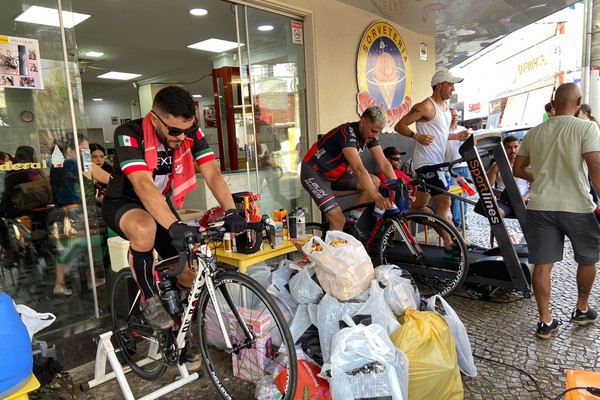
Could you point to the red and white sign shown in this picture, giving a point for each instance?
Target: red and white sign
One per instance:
(297, 32)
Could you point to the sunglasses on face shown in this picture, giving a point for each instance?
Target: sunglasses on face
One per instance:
(394, 158)
(177, 131)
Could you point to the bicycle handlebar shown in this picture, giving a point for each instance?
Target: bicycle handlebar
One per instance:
(434, 167)
(214, 231)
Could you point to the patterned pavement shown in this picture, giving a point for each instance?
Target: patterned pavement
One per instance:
(511, 362)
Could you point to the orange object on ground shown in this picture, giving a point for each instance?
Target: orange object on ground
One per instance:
(581, 378)
(309, 383)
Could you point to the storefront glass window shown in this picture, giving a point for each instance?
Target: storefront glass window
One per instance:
(46, 220)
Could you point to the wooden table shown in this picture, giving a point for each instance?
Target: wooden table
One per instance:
(243, 261)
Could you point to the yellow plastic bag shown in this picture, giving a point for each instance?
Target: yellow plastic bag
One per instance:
(432, 364)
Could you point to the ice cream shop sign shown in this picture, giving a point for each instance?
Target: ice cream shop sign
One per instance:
(383, 72)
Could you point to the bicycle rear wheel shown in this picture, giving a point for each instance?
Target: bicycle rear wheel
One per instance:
(133, 335)
(436, 270)
(317, 229)
(235, 371)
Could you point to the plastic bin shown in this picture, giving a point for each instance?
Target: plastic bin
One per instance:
(118, 249)
(16, 363)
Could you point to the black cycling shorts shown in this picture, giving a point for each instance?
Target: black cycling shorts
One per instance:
(113, 210)
(321, 188)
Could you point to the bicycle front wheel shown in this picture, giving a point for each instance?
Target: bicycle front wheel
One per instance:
(268, 355)
(134, 337)
(441, 263)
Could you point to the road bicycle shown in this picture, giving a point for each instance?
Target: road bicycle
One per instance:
(423, 243)
(242, 334)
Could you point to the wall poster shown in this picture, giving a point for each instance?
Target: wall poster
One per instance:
(20, 64)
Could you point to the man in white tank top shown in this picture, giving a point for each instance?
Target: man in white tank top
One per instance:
(432, 117)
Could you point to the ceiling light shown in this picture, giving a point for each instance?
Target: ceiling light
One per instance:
(198, 11)
(97, 99)
(122, 76)
(196, 95)
(94, 54)
(265, 28)
(49, 16)
(214, 45)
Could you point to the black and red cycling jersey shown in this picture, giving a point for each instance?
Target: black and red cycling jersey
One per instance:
(326, 157)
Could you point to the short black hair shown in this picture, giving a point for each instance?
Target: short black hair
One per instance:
(548, 107)
(510, 139)
(176, 101)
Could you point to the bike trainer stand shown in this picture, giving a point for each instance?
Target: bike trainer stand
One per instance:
(107, 351)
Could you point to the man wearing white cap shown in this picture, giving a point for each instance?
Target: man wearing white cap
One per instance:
(433, 118)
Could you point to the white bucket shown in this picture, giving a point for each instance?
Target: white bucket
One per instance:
(118, 249)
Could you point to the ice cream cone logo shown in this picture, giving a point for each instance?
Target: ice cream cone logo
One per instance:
(383, 72)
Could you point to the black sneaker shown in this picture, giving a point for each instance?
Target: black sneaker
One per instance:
(191, 351)
(584, 318)
(544, 331)
(352, 229)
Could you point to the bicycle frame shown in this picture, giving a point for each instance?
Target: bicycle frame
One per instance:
(203, 281)
(402, 229)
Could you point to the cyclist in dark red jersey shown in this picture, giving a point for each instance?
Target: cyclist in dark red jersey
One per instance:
(333, 164)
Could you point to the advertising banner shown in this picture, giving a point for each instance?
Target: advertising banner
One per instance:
(20, 65)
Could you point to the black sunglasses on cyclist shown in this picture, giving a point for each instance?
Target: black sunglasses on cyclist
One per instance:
(395, 158)
(177, 131)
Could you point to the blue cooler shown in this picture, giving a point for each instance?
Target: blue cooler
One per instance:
(16, 362)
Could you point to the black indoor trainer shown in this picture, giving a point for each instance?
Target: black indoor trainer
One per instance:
(544, 331)
(584, 318)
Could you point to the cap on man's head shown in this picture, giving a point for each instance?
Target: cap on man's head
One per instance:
(392, 151)
(445, 76)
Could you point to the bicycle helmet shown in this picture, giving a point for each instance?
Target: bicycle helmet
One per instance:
(215, 214)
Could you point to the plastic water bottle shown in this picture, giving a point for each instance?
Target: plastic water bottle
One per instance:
(464, 185)
(293, 224)
(447, 176)
(300, 223)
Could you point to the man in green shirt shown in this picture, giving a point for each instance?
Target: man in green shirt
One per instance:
(555, 157)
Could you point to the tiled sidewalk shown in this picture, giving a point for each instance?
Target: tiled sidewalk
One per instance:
(511, 362)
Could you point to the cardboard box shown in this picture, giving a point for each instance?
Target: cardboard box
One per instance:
(258, 321)
(191, 217)
(250, 364)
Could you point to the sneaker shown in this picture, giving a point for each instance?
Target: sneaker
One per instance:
(352, 229)
(155, 314)
(544, 331)
(584, 318)
(61, 289)
(191, 352)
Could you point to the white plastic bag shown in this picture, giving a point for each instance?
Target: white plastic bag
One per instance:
(33, 320)
(464, 353)
(399, 292)
(303, 288)
(345, 270)
(331, 311)
(384, 368)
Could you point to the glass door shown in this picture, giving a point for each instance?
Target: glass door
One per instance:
(274, 108)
